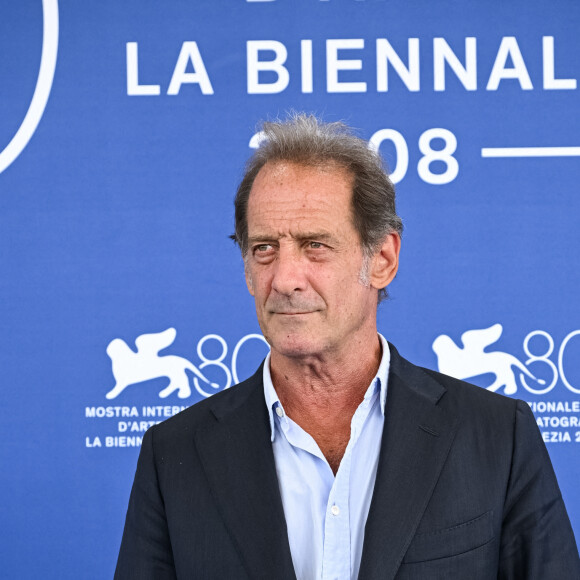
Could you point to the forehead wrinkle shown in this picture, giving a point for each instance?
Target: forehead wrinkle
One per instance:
(292, 217)
(285, 202)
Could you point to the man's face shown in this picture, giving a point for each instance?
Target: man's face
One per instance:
(304, 264)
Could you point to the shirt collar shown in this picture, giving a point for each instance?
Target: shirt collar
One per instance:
(379, 382)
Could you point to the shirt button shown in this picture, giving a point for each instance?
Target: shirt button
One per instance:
(279, 412)
(334, 510)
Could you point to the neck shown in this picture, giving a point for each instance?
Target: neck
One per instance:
(321, 393)
(319, 380)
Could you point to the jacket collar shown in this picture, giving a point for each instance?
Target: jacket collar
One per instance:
(236, 454)
(417, 437)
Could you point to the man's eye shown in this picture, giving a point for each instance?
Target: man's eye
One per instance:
(315, 245)
(263, 248)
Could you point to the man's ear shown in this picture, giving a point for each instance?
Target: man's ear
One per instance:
(249, 282)
(385, 262)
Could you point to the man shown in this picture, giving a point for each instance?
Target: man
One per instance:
(339, 459)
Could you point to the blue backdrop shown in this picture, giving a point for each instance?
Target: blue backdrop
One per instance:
(124, 128)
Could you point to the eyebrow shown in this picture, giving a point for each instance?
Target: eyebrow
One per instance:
(322, 236)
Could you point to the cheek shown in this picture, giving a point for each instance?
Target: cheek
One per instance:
(249, 280)
(336, 286)
(259, 283)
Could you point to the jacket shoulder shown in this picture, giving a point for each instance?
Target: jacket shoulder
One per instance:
(460, 391)
(207, 411)
(469, 392)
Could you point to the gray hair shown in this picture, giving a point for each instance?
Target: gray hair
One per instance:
(305, 140)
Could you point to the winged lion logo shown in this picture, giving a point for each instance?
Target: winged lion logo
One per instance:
(130, 367)
(472, 360)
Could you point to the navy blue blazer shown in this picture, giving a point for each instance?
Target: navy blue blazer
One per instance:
(464, 490)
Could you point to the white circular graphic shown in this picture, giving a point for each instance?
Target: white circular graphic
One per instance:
(42, 89)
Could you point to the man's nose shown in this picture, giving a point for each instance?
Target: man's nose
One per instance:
(289, 273)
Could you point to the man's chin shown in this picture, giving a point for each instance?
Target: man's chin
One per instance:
(296, 346)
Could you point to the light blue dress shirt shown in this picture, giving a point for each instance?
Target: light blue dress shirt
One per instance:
(326, 515)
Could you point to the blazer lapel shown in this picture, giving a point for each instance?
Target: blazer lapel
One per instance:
(417, 436)
(236, 453)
